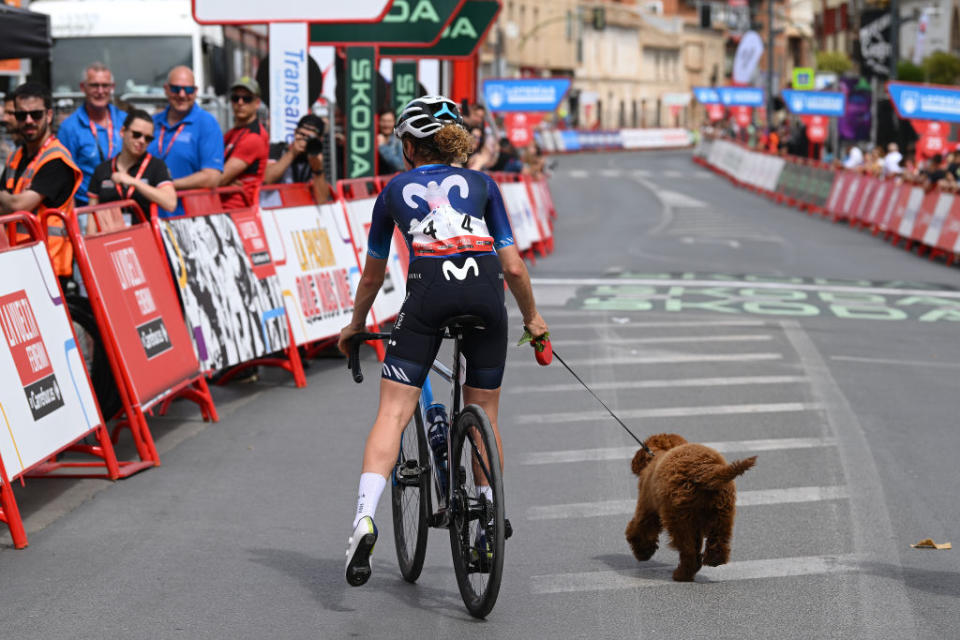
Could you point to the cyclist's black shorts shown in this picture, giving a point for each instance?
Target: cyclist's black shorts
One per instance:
(437, 290)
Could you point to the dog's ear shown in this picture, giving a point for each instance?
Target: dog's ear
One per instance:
(640, 460)
(665, 441)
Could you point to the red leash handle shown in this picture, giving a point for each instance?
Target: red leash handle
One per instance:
(542, 349)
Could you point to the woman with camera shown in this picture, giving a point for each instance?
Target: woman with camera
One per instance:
(302, 160)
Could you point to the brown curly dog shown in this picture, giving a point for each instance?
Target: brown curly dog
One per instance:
(687, 489)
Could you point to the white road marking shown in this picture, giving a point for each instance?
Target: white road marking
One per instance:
(669, 412)
(611, 173)
(743, 284)
(885, 599)
(681, 358)
(659, 324)
(672, 173)
(668, 340)
(791, 495)
(640, 577)
(578, 173)
(911, 363)
(626, 453)
(730, 381)
(676, 199)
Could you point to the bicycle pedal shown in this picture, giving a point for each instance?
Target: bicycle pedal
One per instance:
(507, 529)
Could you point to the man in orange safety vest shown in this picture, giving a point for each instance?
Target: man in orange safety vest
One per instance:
(40, 174)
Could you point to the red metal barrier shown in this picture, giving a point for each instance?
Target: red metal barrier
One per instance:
(36, 362)
(134, 301)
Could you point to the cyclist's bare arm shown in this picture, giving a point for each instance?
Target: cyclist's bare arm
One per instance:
(515, 272)
(371, 280)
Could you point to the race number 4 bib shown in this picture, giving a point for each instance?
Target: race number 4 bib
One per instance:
(445, 231)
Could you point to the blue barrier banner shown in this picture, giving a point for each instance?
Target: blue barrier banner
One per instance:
(525, 94)
(730, 96)
(815, 103)
(922, 102)
(571, 141)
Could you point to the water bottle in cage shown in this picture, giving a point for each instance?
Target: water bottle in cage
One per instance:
(437, 419)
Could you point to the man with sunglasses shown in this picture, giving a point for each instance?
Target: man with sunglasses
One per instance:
(40, 175)
(246, 146)
(188, 139)
(92, 132)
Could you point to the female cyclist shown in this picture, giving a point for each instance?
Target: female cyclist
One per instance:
(461, 250)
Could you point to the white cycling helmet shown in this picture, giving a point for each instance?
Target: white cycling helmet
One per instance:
(423, 117)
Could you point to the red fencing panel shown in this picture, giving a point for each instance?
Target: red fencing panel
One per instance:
(139, 320)
(948, 240)
(938, 221)
(838, 192)
(47, 403)
(875, 210)
(889, 217)
(861, 203)
(925, 214)
(907, 212)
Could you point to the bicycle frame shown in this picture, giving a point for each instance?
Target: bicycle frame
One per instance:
(440, 517)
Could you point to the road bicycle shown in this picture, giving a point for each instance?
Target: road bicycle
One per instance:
(436, 481)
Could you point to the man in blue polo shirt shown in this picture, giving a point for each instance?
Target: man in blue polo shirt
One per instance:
(187, 138)
(92, 133)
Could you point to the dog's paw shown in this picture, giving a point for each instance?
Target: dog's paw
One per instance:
(715, 557)
(682, 575)
(644, 552)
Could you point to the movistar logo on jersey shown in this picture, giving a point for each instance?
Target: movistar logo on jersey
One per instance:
(470, 267)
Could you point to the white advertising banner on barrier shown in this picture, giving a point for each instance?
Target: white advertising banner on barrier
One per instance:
(316, 266)
(517, 201)
(654, 138)
(390, 299)
(45, 397)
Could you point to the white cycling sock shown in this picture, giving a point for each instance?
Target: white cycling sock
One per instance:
(371, 486)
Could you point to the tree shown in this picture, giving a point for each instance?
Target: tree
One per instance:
(836, 61)
(909, 72)
(941, 67)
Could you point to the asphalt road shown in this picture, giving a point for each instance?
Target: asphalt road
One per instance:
(692, 307)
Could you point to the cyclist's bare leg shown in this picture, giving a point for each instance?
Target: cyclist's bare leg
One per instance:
(489, 401)
(397, 404)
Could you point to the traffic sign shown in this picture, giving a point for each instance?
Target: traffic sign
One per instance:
(413, 23)
(820, 103)
(804, 79)
(459, 40)
(525, 94)
(259, 12)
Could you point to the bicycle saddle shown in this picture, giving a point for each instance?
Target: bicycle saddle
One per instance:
(462, 322)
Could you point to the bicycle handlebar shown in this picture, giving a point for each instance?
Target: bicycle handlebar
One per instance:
(353, 359)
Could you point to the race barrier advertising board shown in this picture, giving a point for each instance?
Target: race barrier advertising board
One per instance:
(315, 265)
(230, 292)
(569, 141)
(926, 219)
(139, 320)
(46, 400)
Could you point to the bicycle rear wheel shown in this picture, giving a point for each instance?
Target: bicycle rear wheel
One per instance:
(476, 525)
(410, 493)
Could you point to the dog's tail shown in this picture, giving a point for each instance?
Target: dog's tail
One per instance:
(720, 475)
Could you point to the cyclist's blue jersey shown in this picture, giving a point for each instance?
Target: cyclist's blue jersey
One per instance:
(443, 212)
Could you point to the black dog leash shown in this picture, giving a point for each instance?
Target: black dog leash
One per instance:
(574, 374)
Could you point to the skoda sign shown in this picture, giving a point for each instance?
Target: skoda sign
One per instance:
(815, 103)
(361, 96)
(525, 94)
(925, 102)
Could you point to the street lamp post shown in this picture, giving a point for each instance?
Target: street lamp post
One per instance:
(770, 46)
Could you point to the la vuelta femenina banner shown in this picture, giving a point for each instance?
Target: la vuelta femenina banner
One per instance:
(313, 258)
